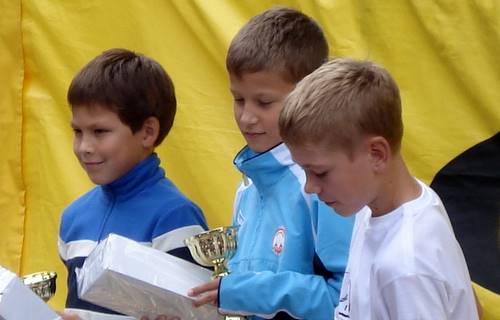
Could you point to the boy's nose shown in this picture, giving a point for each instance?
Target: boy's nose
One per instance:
(247, 116)
(311, 187)
(85, 146)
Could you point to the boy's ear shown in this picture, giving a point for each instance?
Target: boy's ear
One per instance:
(379, 152)
(150, 129)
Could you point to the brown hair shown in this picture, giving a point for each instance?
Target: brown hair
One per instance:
(132, 85)
(340, 102)
(281, 39)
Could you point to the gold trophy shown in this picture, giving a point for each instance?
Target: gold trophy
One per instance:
(42, 283)
(213, 248)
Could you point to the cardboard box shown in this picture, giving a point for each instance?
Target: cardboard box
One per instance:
(17, 301)
(132, 279)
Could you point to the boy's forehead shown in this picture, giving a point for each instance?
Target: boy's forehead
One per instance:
(261, 82)
(273, 72)
(95, 113)
(93, 107)
(309, 154)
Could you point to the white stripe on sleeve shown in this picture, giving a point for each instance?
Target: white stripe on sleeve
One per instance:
(175, 238)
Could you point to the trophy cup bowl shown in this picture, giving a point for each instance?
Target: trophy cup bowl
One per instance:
(42, 283)
(213, 248)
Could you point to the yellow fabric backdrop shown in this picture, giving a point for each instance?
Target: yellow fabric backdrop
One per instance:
(442, 53)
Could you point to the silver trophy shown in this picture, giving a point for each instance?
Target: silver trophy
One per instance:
(213, 248)
(42, 283)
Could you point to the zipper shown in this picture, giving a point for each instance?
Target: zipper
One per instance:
(106, 218)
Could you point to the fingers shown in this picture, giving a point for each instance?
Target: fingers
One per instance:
(69, 316)
(209, 286)
(206, 293)
(206, 297)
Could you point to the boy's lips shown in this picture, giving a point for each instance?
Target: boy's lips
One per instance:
(92, 164)
(253, 134)
(330, 203)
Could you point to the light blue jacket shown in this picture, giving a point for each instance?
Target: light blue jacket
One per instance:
(292, 249)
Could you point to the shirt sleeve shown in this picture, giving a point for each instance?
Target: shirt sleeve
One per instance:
(412, 297)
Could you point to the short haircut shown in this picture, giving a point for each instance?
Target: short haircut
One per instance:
(132, 85)
(278, 39)
(341, 102)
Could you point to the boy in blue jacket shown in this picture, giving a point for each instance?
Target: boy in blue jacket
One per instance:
(123, 105)
(285, 266)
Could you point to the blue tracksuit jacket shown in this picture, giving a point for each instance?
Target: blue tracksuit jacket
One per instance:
(142, 205)
(292, 249)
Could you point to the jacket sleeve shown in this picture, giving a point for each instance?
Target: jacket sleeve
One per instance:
(176, 224)
(266, 293)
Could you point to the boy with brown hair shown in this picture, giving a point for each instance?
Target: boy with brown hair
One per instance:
(285, 265)
(343, 125)
(123, 105)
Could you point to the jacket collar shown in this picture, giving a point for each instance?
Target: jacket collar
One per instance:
(139, 177)
(266, 168)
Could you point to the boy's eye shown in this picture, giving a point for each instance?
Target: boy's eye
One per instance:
(239, 101)
(77, 131)
(321, 174)
(100, 131)
(264, 103)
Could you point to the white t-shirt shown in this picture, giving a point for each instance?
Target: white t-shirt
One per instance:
(406, 264)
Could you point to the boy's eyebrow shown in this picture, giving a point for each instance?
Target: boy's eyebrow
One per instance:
(259, 95)
(314, 166)
(90, 126)
(310, 166)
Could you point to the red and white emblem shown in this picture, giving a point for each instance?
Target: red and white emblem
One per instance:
(279, 241)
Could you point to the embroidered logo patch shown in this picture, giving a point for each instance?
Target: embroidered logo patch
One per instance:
(279, 241)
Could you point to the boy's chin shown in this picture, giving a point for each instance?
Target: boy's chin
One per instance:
(343, 211)
(100, 180)
(261, 148)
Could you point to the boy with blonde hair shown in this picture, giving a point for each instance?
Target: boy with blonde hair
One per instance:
(343, 125)
(292, 250)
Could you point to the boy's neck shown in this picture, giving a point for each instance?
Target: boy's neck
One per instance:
(397, 187)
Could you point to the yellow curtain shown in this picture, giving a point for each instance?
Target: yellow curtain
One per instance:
(12, 190)
(442, 53)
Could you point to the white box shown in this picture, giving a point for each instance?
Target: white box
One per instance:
(17, 301)
(132, 279)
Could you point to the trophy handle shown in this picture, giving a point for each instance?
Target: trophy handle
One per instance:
(196, 251)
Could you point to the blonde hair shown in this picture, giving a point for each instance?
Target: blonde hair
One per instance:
(340, 102)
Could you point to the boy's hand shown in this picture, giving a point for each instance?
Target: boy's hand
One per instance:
(68, 316)
(206, 293)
